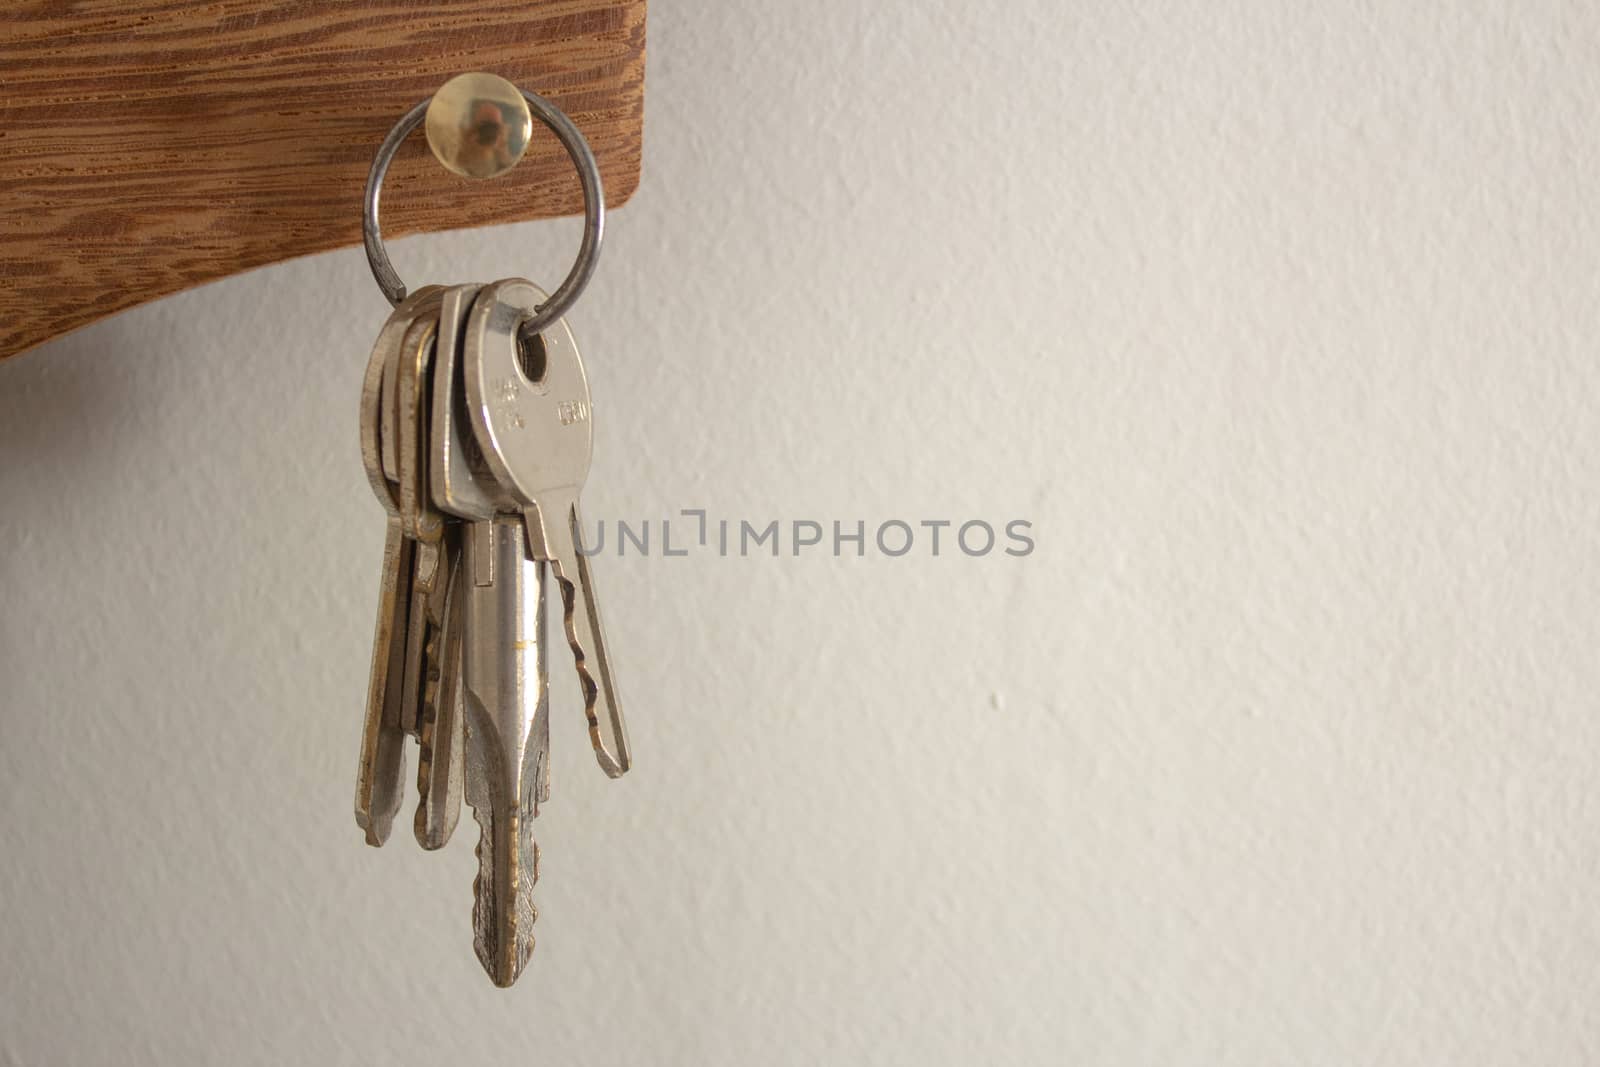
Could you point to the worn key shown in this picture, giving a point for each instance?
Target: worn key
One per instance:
(381, 771)
(428, 706)
(505, 708)
(505, 698)
(536, 436)
(424, 400)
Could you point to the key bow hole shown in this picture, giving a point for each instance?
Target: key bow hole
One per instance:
(531, 358)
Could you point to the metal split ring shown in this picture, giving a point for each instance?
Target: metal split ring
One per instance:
(594, 211)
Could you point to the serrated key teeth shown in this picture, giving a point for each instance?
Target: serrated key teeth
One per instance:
(503, 912)
(608, 734)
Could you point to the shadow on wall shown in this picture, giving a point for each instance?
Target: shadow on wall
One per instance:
(91, 428)
(64, 408)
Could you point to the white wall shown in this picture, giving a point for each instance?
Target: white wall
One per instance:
(1279, 322)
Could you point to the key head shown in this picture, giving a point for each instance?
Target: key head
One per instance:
(532, 422)
(382, 359)
(413, 386)
(461, 482)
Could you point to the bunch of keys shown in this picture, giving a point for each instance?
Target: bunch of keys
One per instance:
(476, 435)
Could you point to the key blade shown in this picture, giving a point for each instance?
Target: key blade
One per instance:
(440, 733)
(418, 633)
(504, 702)
(380, 775)
(503, 911)
(556, 519)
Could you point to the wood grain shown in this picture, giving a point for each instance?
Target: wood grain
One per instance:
(147, 146)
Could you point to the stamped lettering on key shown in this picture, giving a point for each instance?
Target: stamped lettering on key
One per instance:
(506, 392)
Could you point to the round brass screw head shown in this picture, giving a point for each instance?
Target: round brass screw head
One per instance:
(478, 125)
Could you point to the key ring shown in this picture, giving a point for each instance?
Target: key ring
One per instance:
(594, 211)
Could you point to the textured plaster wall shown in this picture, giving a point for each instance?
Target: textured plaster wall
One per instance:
(1278, 321)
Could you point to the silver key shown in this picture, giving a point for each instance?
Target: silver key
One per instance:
(505, 706)
(506, 709)
(440, 729)
(381, 771)
(537, 439)
(432, 654)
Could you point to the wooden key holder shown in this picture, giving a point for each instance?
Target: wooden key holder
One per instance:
(147, 146)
